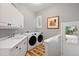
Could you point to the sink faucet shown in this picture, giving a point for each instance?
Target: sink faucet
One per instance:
(12, 35)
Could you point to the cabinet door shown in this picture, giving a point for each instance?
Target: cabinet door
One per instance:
(23, 47)
(6, 13)
(10, 15)
(18, 19)
(14, 51)
(20, 49)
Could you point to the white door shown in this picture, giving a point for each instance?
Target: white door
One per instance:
(70, 38)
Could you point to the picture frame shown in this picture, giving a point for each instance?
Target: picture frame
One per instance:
(53, 22)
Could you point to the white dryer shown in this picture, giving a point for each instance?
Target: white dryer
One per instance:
(39, 36)
(32, 41)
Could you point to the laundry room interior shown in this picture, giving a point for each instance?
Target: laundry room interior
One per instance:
(39, 29)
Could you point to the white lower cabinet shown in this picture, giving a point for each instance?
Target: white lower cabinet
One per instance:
(14, 51)
(20, 49)
(23, 48)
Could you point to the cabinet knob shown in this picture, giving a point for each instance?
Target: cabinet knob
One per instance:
(9, 24)
(19, 48)
(65, 38)
(16, 47)
(24, 43)
(21, 26)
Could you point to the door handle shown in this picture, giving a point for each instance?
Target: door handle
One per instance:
(65, 38)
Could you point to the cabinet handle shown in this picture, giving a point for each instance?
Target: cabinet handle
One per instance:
(16, 47)
(24, 43)
(21, 26)
(19, 48)
(65, 38)
(9, 24)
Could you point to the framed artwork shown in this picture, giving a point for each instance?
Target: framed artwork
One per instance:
(53, 22)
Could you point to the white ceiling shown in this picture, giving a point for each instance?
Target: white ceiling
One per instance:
(35, 7)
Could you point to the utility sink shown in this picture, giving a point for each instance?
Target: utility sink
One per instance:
(17, 36)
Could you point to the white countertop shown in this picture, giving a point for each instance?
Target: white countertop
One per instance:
(54, 38)
(11, 42)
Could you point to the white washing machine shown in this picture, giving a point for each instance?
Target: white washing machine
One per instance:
(39, 36)
(32, 41)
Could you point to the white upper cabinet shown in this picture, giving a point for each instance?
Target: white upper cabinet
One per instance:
(10, 17)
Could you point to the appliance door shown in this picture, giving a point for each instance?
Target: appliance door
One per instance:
(70, 40)
(32, 41)
(40, 38)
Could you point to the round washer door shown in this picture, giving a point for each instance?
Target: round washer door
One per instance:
(32, 41)
(40, 38)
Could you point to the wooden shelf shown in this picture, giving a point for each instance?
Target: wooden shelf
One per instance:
(37, 51)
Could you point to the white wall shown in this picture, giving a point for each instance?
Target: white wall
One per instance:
(66, 12)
